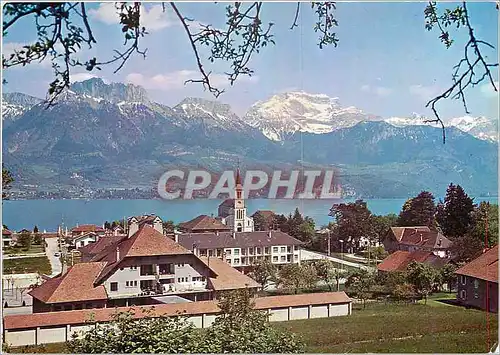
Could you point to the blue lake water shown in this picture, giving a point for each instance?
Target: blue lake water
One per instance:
(48, 214)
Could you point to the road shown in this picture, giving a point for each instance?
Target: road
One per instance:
(52, 248)
(312, 255)
(35, 255)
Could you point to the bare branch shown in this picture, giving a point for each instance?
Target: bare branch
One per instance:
(297, 11)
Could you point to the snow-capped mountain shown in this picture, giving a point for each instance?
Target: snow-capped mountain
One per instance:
(479, 127)
(284, 114)
(14, 105)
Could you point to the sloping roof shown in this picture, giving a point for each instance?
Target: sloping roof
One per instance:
(147, 241)
(228, 202)
(92, 249)
(240, 240)
(203, 223)
(399, 231)
(425, 239)
(6, 232)
(25, 321)
(145, 219)
(228, 278)
(484, 267)
(75, 285)
(82, 236)
(399, 260)
(87, 228)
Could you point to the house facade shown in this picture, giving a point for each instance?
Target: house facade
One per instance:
(134, 223)
(8, 238)
(477, 282)
(86, 228)
(136, 270)
(242, 250)
(418, 238)
(203, 224)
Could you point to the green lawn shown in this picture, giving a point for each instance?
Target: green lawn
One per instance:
(27, 265)
(35, 248)
(384, 328)
(398, 329)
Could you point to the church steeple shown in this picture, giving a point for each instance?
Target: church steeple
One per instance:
(239, 204)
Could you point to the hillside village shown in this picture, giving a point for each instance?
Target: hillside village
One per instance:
(291, 269)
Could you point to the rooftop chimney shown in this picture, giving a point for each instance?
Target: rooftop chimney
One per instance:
(195, 249)
(176, 237)
(234, 235)
(117, 253)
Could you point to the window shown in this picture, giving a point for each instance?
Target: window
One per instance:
(296, 257)
(243, 251)
(228, 251)
(228, 261)
(130, 283)
(114, 286)
(236, 252)
(210, 252)
(275, 259)
(219, 252)
(463, 294)
(258, 251)
(296, 247)
(133, 267)
(283, 258)
(463, 279)
(266, 250)
(289, 249)
(476, 284)
(275, 249)
(236, 261)
(180, 265)
(203, 252)
(283, 249)
(250, 251)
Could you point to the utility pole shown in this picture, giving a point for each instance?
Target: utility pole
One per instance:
(329, 243)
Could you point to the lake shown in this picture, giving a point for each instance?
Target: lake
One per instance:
(48, 214)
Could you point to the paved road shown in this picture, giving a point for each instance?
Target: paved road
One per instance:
(35, 255)
(312, 255)
(52, 248)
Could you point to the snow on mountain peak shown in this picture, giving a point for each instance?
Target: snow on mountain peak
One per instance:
(286, 113)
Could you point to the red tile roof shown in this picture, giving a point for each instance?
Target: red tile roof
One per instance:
(75, 285)
(25, 321)
(92, 249)
(484, 267)
(228, 278)
(6, 232)
(203, 223)
(399, 231)
(399, 260)
(265, 213)
(87, 228)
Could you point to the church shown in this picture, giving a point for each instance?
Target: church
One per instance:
(233, 213)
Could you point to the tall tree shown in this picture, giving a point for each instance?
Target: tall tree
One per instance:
(418, 211)
(7, 180)
(467, 248)
(485, 222)
(328, 273)
(297, 277)
(360, 283)
(381, 224)
(35, 229)
(455, 214)
(25, 239)
(353, 221)
(263, 271)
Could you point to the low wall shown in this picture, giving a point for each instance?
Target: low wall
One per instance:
(57, 327)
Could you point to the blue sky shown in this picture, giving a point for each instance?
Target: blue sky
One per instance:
(386, 63)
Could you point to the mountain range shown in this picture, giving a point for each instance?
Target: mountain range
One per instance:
(115, 136)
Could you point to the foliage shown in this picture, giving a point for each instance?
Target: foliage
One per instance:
(353, 221)
(239, 329)
(455, 214)
(25, 239)
(7, 180)
(448, 275)
(263, 271)
(360, 283)
(302, 228)
(27, 265)
(35, 229)
(418, 211)
(261, 223)
(466, 248)
(422, 277)
(168, 226)
(328, 273)
(296, 277)
(37, 239)
(381, 224)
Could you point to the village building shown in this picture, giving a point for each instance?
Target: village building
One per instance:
(203, 224)
(400, 259)
(242, 250)
(8, 238)
(86, 228)
(136, 222)
(477, 282)
(233, 213)
(419, 238)
(137, 270)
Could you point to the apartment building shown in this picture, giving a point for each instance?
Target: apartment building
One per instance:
(242, 249)
(136, 270)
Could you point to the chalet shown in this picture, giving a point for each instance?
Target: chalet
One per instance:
(203, 224)
(84, 239)
(242, 249)
(477, 284)
(86, 228)
(399, 260)
(8, 239)
(137, 270)
(418, 238)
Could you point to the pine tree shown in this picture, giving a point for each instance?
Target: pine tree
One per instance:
(418, 211)
(455, 215)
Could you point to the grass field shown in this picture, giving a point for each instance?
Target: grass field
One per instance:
(393, 328)
(27, 265)
(380, 328)
(35, 248)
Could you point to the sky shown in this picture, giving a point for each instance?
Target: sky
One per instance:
(386, 62)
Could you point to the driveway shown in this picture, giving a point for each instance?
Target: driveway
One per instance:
(52, 248)
(312, 255)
